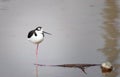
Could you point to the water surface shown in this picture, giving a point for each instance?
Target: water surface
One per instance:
(77, 28)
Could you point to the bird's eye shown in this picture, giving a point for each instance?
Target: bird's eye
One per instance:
(39, 28)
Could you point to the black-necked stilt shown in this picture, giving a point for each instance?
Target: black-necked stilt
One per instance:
(36, 36)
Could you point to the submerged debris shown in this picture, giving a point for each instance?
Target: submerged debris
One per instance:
(106, 67)
(80, 66)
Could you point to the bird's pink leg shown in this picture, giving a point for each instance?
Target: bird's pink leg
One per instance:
(37, 60)
(37, 54)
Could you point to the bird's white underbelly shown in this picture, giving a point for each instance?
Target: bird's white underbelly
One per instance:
(36, 39)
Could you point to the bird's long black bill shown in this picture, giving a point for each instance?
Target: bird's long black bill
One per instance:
(47, 33)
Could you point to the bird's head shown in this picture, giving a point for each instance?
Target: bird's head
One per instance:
(40, 30)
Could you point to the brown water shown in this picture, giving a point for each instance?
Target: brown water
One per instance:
(112, 34)
(77, 31)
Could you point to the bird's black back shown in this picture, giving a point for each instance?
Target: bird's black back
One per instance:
(31, 33)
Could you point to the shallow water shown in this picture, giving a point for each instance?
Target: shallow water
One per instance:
(82, 32)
